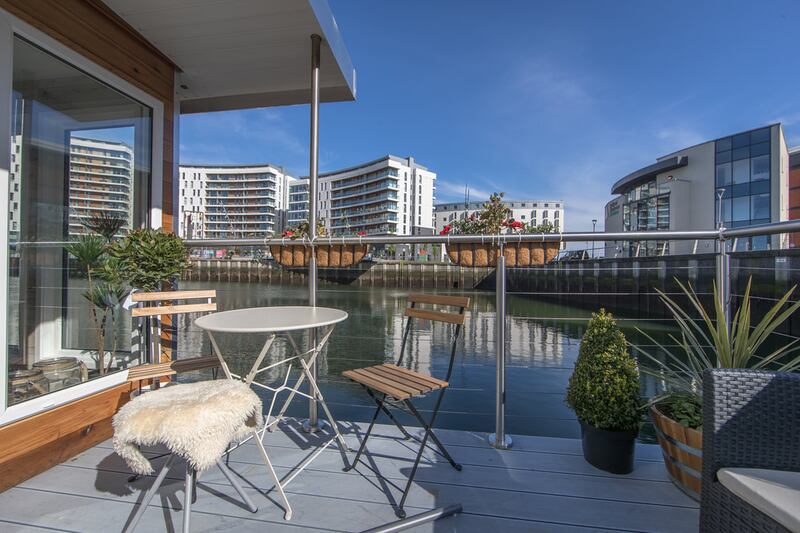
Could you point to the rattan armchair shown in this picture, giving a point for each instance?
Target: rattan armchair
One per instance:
(751, 419)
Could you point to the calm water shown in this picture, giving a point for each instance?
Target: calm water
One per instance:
(543, 342)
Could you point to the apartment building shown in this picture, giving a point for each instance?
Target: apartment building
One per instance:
(101, 175)
(232, 202)
(739, 180)
(534, 212)
(297, 206)
(388, 196)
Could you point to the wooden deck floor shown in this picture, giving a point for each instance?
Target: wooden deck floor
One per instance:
(541, 484)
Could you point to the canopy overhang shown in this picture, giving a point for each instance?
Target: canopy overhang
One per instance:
(238, 54)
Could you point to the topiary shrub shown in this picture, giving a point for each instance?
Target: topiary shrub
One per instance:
(150, 258)
(604, 387)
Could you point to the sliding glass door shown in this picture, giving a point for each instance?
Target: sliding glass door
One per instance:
(80, 164)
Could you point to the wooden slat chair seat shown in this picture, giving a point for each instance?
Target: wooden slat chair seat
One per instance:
(393, 385)
(395, 382)
(166, 303)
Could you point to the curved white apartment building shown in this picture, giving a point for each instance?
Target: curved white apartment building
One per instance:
(231, 202)
(387, 196)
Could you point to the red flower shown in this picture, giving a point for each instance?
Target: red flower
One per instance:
(516, 224)
(446, 229)
(361, 233)
(288, 233)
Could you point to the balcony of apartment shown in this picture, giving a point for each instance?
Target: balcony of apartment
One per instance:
(381, 185)
(366, 178)
(522, 331)
(215, 198)
(343, 213)
(363, 222)
(228, 179)
(367, 200)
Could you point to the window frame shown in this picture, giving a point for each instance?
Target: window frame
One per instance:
(11, 26)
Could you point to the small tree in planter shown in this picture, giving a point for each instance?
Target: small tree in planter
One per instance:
(150, 259)
(604, 393)
(105, 286)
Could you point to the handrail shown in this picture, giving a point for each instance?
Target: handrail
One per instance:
(773, 228)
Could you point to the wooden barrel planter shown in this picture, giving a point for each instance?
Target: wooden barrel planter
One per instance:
(682, 450)
(336, 255)
(518, 254)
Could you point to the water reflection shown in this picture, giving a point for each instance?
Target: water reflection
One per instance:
(543, 341)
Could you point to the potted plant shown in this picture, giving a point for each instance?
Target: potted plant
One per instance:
(604, 393)
(299, 254)
(106, 288)
(150, 259)
(704, 344)
(494, 220)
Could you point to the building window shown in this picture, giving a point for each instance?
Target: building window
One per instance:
(51, 317)
(743, 170)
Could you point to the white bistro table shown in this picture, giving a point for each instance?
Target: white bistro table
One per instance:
(274, 322)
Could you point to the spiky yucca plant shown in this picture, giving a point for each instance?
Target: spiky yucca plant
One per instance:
(712, 343)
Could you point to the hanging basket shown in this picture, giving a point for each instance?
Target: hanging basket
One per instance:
(335, 255)
(518, 254)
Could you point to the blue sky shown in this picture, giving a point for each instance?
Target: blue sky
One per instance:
(540, 100)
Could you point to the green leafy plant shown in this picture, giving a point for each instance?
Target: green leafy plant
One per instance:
(684, 408)
(604, 387)
(713, 343)
(149, 258)
(105, 285)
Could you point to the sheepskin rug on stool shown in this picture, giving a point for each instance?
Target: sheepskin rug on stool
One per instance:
(195, 420)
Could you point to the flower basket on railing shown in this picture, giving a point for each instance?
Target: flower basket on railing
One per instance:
(334, 255)
(298, 254)
(492, 221)
(518, 254)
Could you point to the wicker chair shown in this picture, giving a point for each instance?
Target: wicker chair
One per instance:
(751, 419)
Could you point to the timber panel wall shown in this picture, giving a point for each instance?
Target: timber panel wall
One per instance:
(89, 27)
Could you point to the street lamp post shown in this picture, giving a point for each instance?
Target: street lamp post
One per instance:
(594, 225)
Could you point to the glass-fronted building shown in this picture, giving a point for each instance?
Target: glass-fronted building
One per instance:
(738, 180)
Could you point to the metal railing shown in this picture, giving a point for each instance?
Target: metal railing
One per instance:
(499, 439)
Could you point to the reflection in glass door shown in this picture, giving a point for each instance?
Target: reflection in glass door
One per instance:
(80, 149)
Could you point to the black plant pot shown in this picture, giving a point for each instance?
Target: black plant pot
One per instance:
(611, 451)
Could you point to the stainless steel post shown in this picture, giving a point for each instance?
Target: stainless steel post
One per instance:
(724, 279)
(312, 424)
(499, 439)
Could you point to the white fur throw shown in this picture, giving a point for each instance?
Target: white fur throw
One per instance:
(195, 420)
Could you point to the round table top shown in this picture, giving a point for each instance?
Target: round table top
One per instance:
(270, 319)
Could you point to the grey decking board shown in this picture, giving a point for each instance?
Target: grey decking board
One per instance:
(524, 496)
(645, 492)
(509, 504)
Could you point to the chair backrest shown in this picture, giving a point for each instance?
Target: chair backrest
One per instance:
(163, 303)
(160, 304)
(413, 311)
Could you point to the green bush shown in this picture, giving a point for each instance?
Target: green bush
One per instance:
(149, 258)
(604, 387)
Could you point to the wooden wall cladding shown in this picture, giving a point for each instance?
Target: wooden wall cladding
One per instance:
(92, 29)
(36, 443)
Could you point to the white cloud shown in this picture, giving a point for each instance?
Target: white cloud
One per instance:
(677, 138)
(547, 84)
(449, 191)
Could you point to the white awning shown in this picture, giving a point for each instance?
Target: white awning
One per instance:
(237, 54)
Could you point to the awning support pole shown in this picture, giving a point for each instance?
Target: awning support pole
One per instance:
(312, 424)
